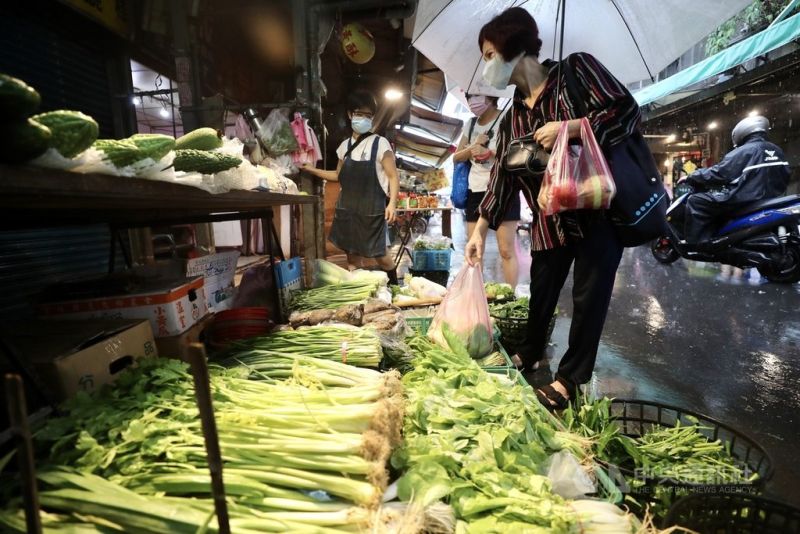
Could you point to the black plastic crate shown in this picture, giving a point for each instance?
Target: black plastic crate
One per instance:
(734, 514)
(513, 331)
(439, 277)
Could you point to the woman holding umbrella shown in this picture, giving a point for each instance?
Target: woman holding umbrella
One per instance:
(510, 45)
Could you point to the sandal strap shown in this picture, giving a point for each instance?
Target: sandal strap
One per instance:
(552, 394)
(570, 386)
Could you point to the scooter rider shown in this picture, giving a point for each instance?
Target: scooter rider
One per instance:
(754, 170)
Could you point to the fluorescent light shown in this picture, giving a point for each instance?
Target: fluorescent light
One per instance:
(753, 113)
(393, 94)
(712, 125)
(163, 112)
(136, 100)
(671, 138)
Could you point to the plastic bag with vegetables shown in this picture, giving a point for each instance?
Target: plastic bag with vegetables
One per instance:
(276, 133)
(461, 323)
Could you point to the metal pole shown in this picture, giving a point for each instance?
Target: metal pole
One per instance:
(18, 419)
(202, 390)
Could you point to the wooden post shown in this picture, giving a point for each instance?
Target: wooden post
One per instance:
(313, 222)
(202, 391)
(18, 419)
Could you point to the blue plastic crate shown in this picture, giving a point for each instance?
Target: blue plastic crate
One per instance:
(289, 273)
(431, 260)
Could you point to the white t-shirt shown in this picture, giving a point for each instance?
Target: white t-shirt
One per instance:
(363, 152)
(479, 172)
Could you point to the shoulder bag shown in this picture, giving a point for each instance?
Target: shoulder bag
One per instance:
(638, 210)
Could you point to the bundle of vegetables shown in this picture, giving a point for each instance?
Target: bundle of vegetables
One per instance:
(482, 445)
(682, 454)
(515, 309)
(296, 452)
(499, 291)
(327, 273)
(426, 242)
(417, 288)
(355, 346)
(332, 296)
(374, 313)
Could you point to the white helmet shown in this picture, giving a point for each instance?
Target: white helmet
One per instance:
(748, 126)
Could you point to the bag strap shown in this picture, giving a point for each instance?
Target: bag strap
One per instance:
(472, 122)
(351, 146)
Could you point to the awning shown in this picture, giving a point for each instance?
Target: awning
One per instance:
(756, 45)
(426, 140)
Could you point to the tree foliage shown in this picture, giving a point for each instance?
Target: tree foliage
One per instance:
(751, 19)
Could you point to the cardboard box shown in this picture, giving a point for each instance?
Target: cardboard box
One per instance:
(175, 346)
(218, 271)
(172, 307)
(72, 356)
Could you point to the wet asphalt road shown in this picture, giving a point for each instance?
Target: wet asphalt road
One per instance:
(696, 336)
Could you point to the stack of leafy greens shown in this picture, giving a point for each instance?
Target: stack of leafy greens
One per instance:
(347, 344)
(307, 454)
(499, 291)
(680, 455)
(482, 445)
(333, 296)
(515, 309)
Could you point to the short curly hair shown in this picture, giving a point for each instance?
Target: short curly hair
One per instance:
(512, 32)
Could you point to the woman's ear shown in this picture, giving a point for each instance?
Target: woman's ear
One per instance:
(350, 115)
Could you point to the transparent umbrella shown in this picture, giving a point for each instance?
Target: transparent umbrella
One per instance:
(635, 39)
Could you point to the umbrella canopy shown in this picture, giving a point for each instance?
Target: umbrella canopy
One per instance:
(635, 39)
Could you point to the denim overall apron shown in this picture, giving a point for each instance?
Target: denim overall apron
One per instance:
(359, 224)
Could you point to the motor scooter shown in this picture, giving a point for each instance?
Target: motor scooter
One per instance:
(764, 235)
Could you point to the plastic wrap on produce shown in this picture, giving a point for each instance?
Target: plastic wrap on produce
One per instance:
(52, 159)
(567, 477)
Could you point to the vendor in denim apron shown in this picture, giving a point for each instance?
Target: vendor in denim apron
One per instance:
(368, 178)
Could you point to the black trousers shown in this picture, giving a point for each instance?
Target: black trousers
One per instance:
(596, 258)
(703, 210)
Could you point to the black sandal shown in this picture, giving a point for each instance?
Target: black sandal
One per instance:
(551, 399)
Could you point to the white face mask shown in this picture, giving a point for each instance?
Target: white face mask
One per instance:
(497, 72)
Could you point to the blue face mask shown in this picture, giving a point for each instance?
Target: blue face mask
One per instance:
(361, 125)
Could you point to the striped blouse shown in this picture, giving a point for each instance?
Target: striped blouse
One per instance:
(613, 114)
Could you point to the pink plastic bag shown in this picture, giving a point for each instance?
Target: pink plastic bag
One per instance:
(577, 176)
(461, 324)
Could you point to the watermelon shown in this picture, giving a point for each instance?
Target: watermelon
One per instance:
(18, 100)
(23, 141)
(73, 132)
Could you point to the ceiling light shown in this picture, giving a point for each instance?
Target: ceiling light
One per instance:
(163, 112)
(671, 138)
(136, 100)
(393, 94)
(712, 125)
(753, 113)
